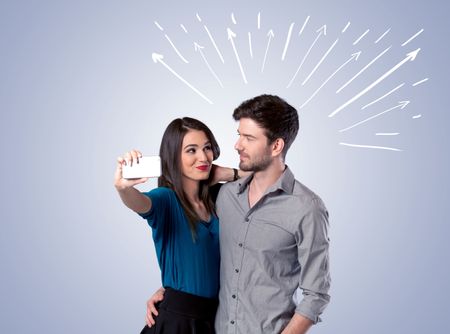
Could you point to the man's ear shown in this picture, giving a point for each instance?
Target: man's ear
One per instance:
(277, 147)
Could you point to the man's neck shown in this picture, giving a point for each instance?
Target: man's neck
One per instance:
(262, 180)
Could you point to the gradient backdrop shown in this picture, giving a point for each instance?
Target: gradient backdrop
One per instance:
(79, 88)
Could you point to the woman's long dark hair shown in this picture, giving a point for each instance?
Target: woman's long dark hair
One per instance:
(171, 175)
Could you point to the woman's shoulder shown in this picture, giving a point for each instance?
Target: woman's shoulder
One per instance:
(163, 193)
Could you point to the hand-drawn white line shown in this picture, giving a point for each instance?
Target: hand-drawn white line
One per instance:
(320, 62)
(259, 20)
(382, 97)
(409, 57)
(232, 35)
(304, 25)
(419, 82)
(159, 27)
(198, 17)
(158, 58)
(371, 146)
(409, 40)
(182, 27)
(288, 38)
(360, 37)
(362, 70)
(321, 31)
(270, 35)
(417, 116)
(233, 19)
(250, 44)
(385, 33)
(214, 43)
(354, 56)
(401, 105)
(199, 48)
(176, 50)
(387, 134)
(345, 29)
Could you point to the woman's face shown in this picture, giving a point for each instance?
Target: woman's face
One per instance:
(196, 156)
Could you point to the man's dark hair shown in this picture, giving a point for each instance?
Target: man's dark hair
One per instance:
(277, 117)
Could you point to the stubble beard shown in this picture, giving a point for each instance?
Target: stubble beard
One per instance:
(259, 164)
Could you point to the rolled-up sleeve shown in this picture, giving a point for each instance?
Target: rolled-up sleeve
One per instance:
(313, 245)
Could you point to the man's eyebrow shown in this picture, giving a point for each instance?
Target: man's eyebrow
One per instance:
(245, 134)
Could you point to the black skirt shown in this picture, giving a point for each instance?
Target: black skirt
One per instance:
(184, 313)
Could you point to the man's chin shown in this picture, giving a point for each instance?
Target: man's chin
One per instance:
(245, 167)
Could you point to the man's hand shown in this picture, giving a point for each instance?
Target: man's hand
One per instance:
(298, 325)
(151, 308)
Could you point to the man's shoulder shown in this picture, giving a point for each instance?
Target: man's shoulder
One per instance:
(228, 188)
(306, 196)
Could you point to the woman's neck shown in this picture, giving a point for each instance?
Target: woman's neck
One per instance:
(191, 188)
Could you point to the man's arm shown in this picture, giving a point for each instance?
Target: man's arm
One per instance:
(151, 306)
(298, 325)
(313, 244)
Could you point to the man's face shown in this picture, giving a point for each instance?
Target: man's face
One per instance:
(254, 151)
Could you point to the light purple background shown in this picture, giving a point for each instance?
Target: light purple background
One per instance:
(79, 87)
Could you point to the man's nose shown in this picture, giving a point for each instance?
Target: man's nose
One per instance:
(237, 145)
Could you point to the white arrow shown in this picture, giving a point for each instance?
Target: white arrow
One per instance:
(270, 35)
(232, 35)
(214, 43)
(157, 58)
(362, 70)
(304, 25)
(199, 48)
(288, 39)
(176, 50)
(250, 44)
(401, 105)
(320, 62)
(371, 146)
(321, 31)
(409, 57)
(354, 56)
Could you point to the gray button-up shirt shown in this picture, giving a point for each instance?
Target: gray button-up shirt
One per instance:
(267, 252)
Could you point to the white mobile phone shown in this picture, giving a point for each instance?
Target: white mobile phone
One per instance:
(147, 167)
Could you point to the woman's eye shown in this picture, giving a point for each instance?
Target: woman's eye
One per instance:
(208, 148)
(191, 150)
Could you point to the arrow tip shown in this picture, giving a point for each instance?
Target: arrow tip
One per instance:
(230, 33)
(356, 55)
(157, 57)
(403, 104)
(323, 29)
(412, 55)
(197, 46)
(270, 33)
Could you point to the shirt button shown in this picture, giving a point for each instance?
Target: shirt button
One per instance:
(232, 322)
(247, 219)
(236, 270)
(240, 244)
(233, 296)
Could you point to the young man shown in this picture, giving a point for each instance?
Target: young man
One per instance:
(273, 231)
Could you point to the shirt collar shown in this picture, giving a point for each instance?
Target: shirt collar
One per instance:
(285, 182)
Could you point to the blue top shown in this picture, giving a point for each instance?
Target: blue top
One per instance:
(188, 266)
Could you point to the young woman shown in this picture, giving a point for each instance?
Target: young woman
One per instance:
(184, 226)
